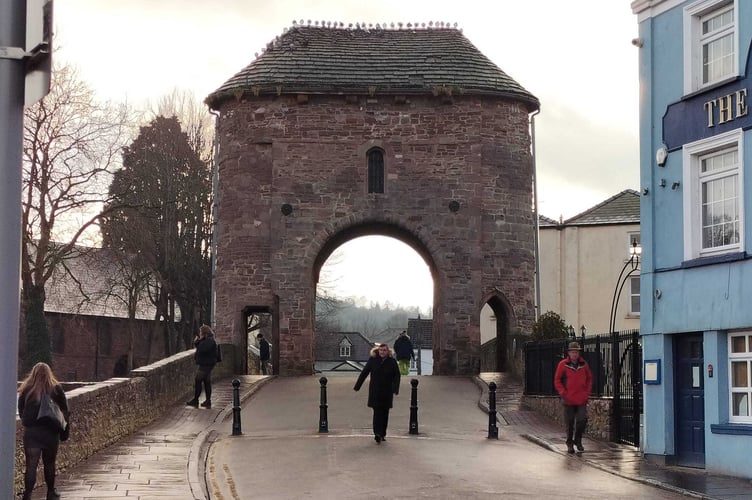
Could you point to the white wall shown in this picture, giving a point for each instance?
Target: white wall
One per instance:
(579, 270)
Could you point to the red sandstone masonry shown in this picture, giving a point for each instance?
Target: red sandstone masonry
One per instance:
(475, 151)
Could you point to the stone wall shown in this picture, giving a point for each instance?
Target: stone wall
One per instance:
(107, 411)
(599, 413)
(292, 187)
(515, 356)
(92, 348)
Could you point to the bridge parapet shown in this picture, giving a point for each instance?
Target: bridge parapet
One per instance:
(105, 412)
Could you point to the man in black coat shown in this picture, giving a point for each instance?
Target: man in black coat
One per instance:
(384, 384)
(403, 350)
(264, 353)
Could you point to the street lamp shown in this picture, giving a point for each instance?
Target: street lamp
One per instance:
(570, 330)
(630, 268)
(583, 330)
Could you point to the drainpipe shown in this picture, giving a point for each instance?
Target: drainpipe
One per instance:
(215, 204)
(535, 217)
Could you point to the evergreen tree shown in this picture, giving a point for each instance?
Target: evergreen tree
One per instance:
(161, 211)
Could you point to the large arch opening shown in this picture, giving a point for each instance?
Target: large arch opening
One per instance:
(373, 282)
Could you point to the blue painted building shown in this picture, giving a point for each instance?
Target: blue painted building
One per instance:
(696, 219)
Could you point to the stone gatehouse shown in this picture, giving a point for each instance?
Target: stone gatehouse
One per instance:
(336, 133)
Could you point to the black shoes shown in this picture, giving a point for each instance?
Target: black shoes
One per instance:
(579, 447)
(192, 402)
(377, 438)
(206, 404)
(53, 494)
(570, 448)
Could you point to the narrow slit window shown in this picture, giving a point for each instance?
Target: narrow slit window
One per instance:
(375, 171)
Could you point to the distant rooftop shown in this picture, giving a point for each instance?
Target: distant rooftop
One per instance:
(372, 60)
(622, 208)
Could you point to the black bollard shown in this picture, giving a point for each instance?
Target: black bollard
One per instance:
(236, 408)
(414, 407)
(493, 429)
(323, 424)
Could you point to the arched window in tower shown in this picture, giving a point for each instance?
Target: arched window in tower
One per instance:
(375, 158)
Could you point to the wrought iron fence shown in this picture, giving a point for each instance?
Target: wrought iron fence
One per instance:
(616, 362)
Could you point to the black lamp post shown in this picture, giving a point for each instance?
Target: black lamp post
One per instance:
(630, 267)
(583, 330)
(570, 330)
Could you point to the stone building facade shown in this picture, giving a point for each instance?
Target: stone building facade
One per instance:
(333, 134)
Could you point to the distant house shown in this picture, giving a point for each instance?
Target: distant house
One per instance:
(87, 321)
(581, 260)
(341, 352)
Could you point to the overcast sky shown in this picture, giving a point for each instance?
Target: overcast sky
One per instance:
(575, 56)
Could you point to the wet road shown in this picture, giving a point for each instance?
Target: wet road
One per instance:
(281, 455)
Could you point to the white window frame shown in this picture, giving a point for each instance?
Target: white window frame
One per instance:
(345, 348)
(737, 357)
(632, 294)
(631, 237)
(691, 154)
(693, 17)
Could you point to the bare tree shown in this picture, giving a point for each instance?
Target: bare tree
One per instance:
(71, 146)
(194, 117)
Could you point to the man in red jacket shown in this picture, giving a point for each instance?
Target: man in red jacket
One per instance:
(573, 382)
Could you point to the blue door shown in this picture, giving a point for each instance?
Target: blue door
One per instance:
(690, 401)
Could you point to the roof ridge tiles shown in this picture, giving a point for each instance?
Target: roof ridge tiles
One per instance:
(439, 56)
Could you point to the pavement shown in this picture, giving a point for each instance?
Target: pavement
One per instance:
(190, 453)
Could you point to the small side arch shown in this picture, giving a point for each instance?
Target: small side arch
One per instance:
(504, 319)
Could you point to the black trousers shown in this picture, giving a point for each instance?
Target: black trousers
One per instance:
(40, 442)
(380, 420)
(203, 379)
(576, 419)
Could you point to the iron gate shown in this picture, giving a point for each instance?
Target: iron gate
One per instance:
(616, 362)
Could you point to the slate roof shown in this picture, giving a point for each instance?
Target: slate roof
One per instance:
(622, 208)
(94, 291)
(387, 336)
(327, 346)
(544, 221)
(358, 61)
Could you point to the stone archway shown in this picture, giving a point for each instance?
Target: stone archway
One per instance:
(307, 163)
(503, 312)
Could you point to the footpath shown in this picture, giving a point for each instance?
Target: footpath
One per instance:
(171, 458)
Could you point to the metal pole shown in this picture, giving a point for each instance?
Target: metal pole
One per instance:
(12, 75)
(236, 430)
(414, 406)
(323, 424)
(493, 429)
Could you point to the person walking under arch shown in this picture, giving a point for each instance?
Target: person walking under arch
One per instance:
(383, 386)
(574, 382)
(41, 438)
(264, 354)
(404, 352)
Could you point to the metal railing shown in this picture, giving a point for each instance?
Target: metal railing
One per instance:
(616, 362)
